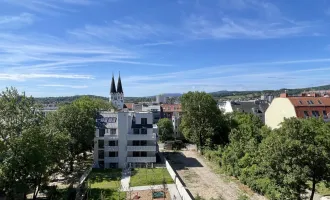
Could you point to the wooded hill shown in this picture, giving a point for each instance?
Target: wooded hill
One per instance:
(217, 95)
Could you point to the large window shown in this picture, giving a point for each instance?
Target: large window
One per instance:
(112, 131)
(101, 144)
(306, 114)
(143, 142)
(113, 154)
(315, 113)
(136, 154)
(101, 154)
(136, 143)
(101, 164)
(144, 121)
(143, 154)
(325, 115)
(143, 131)
(136, 131)
(101, 132)
(113, 143)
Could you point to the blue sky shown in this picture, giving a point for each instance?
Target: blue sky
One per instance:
(70, 47)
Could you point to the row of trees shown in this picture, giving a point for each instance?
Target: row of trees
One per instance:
(281, 164)
(34, 146)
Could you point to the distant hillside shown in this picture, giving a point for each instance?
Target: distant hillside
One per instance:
(223, 94)
(69, 99)
(294, 91)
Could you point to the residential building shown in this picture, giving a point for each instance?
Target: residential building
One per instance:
(161, 98)
(256, 107)
(116, 95)
(155, 109)
(176, 120)
(169, 109)
(303, 106)
(125, 139)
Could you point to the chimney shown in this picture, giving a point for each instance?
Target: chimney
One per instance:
(284, 95)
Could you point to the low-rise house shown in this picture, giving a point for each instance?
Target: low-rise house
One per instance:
(302, 106)
(256, 107)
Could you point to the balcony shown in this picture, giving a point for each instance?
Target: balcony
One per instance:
(110, 148)
(141, 148)
(141, 136)
(111, 159)
(141, 159)
(111, 137)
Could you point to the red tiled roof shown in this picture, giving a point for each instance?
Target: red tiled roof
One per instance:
(309, 104)
(129, 105)
(171, 107)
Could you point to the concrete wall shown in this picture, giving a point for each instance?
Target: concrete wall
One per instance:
(182, 190)
(279, 109)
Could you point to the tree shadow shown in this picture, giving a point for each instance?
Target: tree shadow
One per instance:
(111, 194)
(179, 161)
(100, 175)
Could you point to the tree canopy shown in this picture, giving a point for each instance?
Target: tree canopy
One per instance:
(165, 129)
(202, 122)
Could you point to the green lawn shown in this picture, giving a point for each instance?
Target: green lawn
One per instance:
(154, 176)
(105, 182)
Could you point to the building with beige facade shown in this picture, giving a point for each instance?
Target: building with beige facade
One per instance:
(303, 106)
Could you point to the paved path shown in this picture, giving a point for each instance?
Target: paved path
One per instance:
(125, 179)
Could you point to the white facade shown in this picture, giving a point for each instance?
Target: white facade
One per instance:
(226, 107)
(124, 139)
(117, 99)
(161, 98)
(176, 120)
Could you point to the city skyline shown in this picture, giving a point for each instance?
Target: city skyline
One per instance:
(72, 47)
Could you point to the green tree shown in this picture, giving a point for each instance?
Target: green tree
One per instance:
(79, 125)
(30, 151)
(202, 122)
(92, 105)
(299, 152)
(165, 129)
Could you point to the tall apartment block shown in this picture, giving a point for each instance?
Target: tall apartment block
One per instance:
(125, 139)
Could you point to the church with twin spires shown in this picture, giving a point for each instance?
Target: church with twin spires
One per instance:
(117, 95)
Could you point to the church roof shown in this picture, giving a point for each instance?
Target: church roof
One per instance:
(119, 86)
(113, 86)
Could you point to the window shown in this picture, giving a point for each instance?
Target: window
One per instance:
(319, 101)
(113, 154)
(112, 131)
(325, 115)
(315, 113)
(113, 143)
(136, 143)
(310, 102)
(136, 131)
(113, 165)
(300, 102)
(143, 143)
(101, 144)
(144, 121)
(136, 154)
(143, 154)
(143, 131)
(101, 154)
(101, 164)
(101, 132)
(306, 114)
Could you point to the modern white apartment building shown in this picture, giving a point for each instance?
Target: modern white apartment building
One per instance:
(125, 139)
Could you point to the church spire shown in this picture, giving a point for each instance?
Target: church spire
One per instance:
(113, 86)
(119, 86)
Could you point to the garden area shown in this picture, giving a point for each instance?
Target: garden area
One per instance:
(105, 184)
(152, 176)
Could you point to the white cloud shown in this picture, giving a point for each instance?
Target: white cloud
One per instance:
(64, 86)
(121, 30)
(23, 77)
(16, 21)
